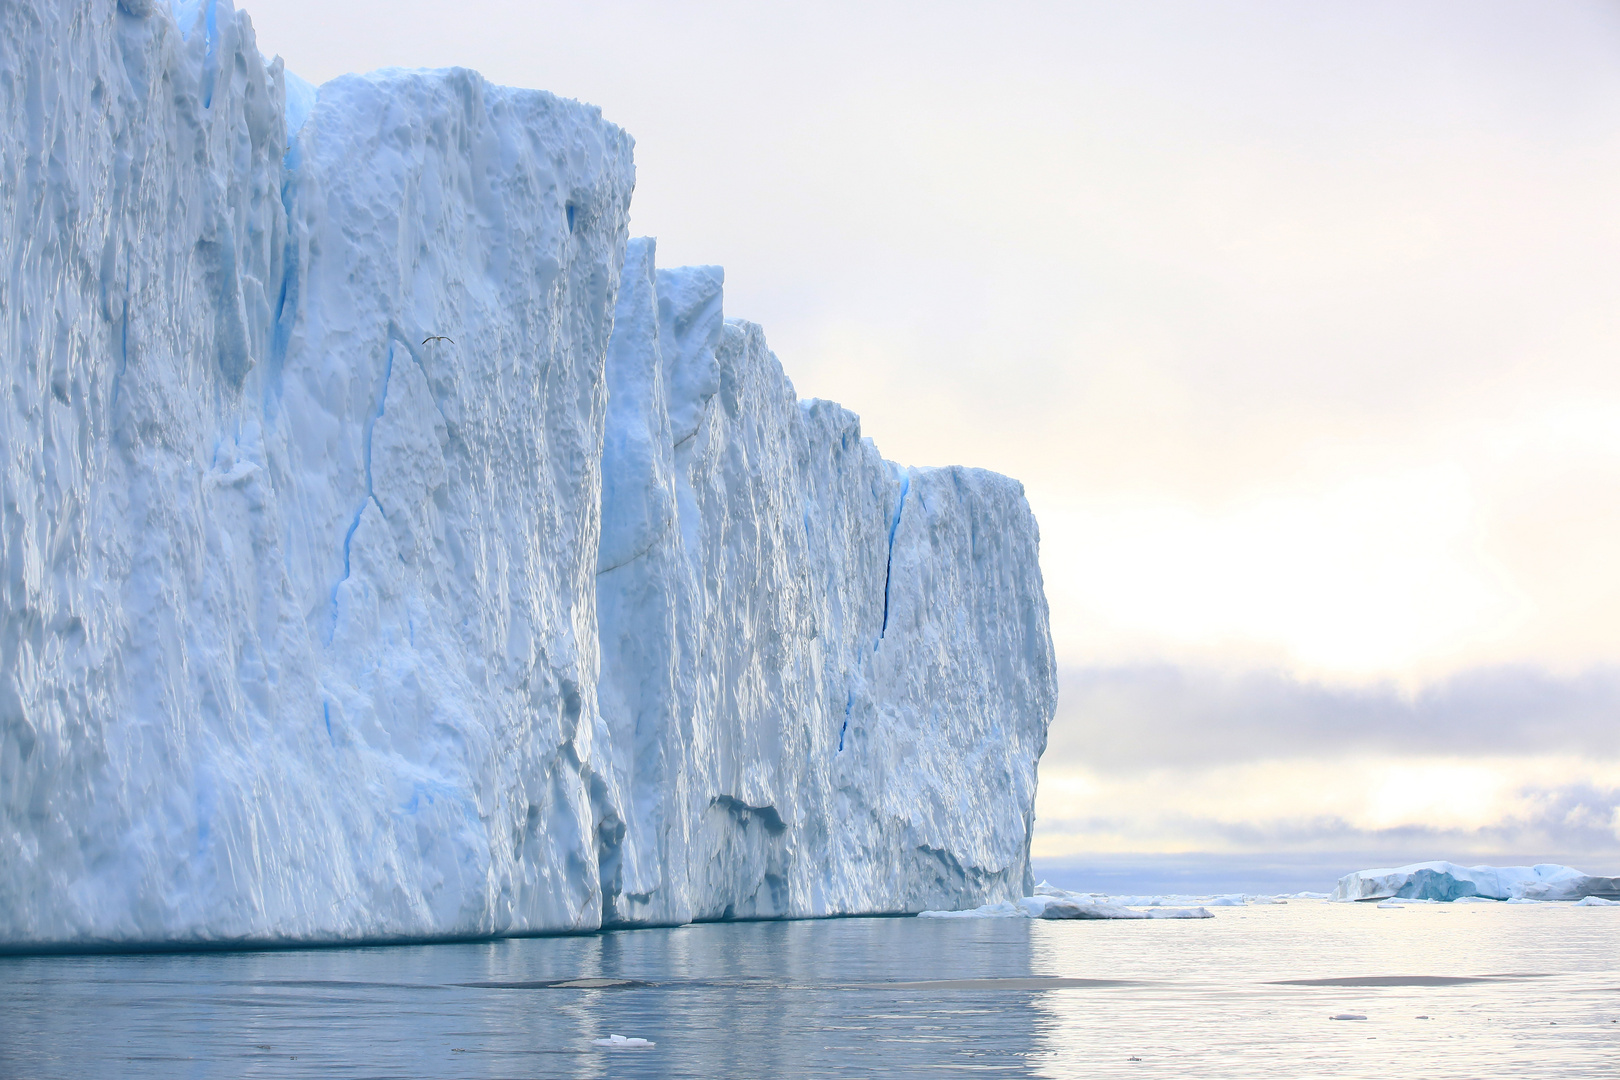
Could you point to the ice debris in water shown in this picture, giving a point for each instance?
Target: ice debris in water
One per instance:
(1445, 881)
(619, 1042)
(312, 632)
(1053, 903)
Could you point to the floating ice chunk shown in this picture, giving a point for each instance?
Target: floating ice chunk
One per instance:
(1390, 904)
(1177, 913)
(1347, 1016)
(1004, 910)
(1176, 899)
(620, 1042)
(1596, 901)
(1048, 906)
(1056, 908)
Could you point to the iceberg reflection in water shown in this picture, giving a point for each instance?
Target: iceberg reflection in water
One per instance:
(1252, 992)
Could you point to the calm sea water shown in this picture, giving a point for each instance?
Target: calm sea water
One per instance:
(864, 997)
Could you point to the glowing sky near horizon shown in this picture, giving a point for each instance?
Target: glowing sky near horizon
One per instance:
(1298, 322)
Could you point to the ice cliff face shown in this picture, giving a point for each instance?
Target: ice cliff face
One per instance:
(826, 679)
(312, 629)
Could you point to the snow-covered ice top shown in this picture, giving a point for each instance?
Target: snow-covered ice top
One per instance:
(1445, 881)
(389, 549)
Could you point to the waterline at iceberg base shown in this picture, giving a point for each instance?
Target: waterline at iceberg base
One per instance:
(390, 551)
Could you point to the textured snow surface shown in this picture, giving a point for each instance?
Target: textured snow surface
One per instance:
(1444, 881)
(314, 630)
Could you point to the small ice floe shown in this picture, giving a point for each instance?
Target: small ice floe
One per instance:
(1003, 910)
(1596, 901)
(1051, 903)
(620, 1042)
(1389, 904)
(1058, 908)
(1181, 900)
(1347, 1016)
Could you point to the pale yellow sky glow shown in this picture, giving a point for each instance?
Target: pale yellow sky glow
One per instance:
(1298, 322)
(1294, 803)
(1492, 549)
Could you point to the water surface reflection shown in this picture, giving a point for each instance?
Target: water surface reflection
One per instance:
(1446, 991)
(846, 997)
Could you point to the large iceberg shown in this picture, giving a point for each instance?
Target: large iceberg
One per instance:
(1445, 881)
(389, 550)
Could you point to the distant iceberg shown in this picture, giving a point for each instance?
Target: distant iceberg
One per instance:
(1444, 881)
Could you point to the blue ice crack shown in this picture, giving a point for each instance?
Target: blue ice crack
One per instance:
(210, 71)
(371, 494)
(888, 568)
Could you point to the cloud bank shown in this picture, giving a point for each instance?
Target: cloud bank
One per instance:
(1158, 715)
(1487, 765)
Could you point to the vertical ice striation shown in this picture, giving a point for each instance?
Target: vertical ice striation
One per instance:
(377, 562)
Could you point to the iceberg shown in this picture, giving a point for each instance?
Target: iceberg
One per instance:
(1445, 882)
(391, 551)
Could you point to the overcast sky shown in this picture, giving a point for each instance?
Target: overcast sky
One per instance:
(1298, 322)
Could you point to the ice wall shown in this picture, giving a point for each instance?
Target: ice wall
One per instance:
(355, 585)
(827, 678)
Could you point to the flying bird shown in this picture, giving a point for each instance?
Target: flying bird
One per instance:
(436, 337)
